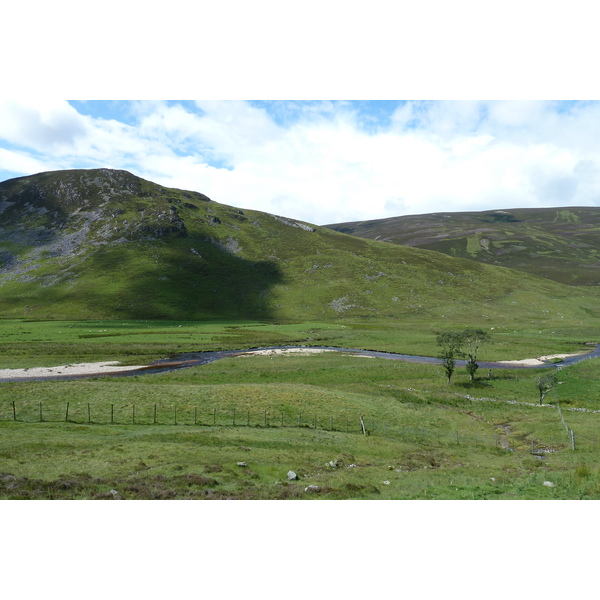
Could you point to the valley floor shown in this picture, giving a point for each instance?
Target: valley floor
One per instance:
(96, 369)
(235, 428)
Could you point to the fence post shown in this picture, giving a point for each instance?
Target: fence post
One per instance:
(67, 413)
(234, 416)
(133, 413)
(457, 437)
(265, 417)
(89, 417)
(248, 417)
(155, 414)
(214, 416)
(346, 423)
(41, 416)
(195, 414)
(362, 425)
(112, 414)
(330, 423)
(570, 432)
(14, 411)
(175, 414)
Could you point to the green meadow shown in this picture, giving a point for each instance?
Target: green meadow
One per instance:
(350, 427)
(48, 343)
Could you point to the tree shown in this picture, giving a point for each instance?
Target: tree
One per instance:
(471, 340)
(545, 383)
(450, 344)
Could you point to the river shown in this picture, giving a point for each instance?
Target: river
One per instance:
(195, 359)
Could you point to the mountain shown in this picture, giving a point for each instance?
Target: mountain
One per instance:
(562, 244)
(100, 243)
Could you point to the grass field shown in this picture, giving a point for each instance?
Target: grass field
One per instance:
(48, 343)
(183, 434)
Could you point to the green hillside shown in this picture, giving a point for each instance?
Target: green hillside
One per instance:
(91, 244)
(562, 244)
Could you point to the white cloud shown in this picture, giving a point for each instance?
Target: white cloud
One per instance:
(524, 114)
(43, 126)
(23, 164)
(326, 162)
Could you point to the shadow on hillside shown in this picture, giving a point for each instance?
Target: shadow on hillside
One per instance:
(184, 278)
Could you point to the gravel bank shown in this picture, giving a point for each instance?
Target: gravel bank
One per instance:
(97, 368)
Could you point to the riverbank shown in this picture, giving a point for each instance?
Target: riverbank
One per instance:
(541, 361)
(76, 369)
(112, 368)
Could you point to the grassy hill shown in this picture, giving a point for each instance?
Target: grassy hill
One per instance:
(561, 244)
(97, 244)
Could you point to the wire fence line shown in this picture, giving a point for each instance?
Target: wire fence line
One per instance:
(218, 416)
(570, 432)
(161, 414)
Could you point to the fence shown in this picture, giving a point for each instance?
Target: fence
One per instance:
(205, 416)
(570, 432)
(155, 414)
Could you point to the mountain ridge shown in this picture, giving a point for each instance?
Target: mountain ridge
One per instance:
(99, 243)
(560, 243)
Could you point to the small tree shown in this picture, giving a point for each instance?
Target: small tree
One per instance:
(450, 344)
(471, 340)
(545, 383)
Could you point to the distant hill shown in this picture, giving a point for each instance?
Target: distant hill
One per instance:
(562, 244)
(101, 243)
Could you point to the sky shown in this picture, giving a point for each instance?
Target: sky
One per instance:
(323, 161)
(325, 112)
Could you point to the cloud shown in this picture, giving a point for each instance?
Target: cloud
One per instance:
(394, 205)
(18, 163)
(327, 162)
(45, 127)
